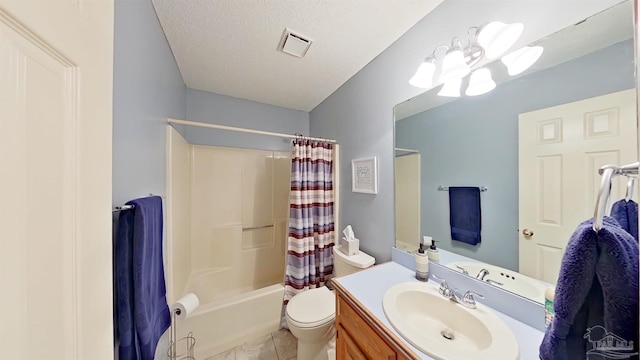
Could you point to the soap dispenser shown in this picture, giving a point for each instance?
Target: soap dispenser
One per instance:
(432, 251)
(422, 263)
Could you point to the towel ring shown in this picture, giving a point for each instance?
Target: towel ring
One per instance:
(603, 196)
(630, 185)
(608, 172)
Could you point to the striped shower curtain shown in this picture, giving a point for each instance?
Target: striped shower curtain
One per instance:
(311, 221)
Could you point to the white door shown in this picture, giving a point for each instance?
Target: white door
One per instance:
(55, 185)
(561, 149)
(407, 201)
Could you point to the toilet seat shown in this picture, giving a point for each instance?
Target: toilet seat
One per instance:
(312, 308)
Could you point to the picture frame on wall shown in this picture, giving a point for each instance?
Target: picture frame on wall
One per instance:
(364, 175)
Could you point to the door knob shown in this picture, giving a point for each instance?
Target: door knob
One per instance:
(527, 233)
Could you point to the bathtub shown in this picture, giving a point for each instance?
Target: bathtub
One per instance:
(227, 322)
(222, 283)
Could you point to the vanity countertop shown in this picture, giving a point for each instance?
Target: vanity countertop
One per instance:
(369, 286)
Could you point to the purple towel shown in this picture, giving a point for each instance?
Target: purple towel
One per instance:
(597, 289)
(142, 304)
(626, 214)
(464, 214)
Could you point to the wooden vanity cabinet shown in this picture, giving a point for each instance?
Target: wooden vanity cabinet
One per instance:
(347, 348)
(360, 336)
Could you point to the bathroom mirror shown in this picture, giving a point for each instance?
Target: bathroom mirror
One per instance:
(474, 141)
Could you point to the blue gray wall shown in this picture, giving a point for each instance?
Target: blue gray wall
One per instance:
(147, 88)
(229, 111)
(360, 113)
(473, 141)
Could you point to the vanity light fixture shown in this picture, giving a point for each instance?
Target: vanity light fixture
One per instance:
(489, 41)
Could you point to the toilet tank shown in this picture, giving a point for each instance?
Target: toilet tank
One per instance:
(345, 265)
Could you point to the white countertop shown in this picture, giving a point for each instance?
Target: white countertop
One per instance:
(369, 286)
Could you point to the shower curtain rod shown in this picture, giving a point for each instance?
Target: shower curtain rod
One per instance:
(407, 150)
(231, 128)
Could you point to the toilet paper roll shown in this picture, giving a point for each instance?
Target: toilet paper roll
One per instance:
(185, 306)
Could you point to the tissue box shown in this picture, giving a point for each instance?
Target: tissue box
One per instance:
(350, 247)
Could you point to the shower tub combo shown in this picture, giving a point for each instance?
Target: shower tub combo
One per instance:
(226, 219)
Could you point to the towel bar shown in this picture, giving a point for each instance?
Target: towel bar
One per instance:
(123, 207)
(446, 188)
(127, 207)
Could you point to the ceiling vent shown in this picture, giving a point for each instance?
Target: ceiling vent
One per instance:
(294, 44)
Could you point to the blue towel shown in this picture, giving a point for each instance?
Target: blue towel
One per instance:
(597, 289)
(626, 214)
(143, 313)
(114, 272)
(464, 214)
(124, 289)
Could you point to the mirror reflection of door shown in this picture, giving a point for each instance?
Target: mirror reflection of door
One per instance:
(561, 149)
(407, 175)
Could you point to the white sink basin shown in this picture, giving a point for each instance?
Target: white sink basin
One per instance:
(444, 329)
(511, 281)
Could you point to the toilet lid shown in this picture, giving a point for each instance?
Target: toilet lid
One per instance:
(313, 307)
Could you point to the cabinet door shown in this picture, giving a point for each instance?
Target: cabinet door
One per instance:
(347, 348)
(352, 327)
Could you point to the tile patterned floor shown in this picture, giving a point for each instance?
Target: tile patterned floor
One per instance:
(279, 345)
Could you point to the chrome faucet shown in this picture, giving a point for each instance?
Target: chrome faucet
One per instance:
(466, 300)
(482, 274)
(464, 271)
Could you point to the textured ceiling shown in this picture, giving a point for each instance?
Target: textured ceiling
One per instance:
(230, 47)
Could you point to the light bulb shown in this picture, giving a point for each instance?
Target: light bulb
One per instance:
(453, 65)
(451, 88)
(497, 37)
(522, 59)
(480, 82)
(423, 78)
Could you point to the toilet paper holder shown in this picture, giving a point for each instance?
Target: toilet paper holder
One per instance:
(179, 311)
(188, 342)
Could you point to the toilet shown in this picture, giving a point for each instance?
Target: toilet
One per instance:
(311, 314)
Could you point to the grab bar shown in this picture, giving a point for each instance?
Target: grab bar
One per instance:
(256, 227)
